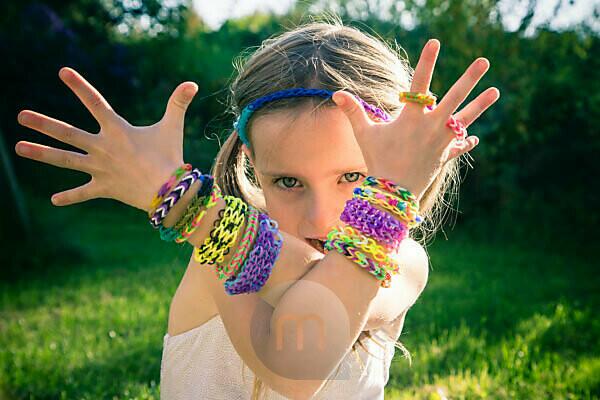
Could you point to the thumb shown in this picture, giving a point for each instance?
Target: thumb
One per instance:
(178, 103)
(354, 110)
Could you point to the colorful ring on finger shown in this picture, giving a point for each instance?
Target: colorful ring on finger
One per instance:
(416, 97)
(458, 127)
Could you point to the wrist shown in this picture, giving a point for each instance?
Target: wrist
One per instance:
(178, 210)
(405, 181)
(154, 183)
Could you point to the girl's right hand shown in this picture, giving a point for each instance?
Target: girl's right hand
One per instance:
(127, 163)
(412, 149)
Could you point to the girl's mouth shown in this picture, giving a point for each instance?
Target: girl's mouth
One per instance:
(317, 244)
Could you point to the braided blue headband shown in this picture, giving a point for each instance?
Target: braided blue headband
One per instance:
(240, 124)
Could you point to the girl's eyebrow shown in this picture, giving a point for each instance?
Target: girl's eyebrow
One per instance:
(336, 172)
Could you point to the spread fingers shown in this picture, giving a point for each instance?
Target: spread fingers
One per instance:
(57, 129)
(56, 157)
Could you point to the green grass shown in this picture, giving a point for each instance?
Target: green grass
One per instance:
(502, 321)
(500, 318)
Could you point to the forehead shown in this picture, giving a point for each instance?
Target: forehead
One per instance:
(304, 142)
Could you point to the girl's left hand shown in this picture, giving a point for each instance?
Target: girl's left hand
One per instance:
(412, 149)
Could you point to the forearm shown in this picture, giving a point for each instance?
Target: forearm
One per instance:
(279, 280)
(319, 318)
(249, 323)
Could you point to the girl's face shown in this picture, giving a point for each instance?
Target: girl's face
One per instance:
(307, 165)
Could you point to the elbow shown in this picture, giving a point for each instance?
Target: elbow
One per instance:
(422, 274)
(417, 266)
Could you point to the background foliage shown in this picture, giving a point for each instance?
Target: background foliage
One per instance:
(533, 190)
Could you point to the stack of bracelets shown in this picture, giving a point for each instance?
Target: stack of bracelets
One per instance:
(251, 265)
(368, 237)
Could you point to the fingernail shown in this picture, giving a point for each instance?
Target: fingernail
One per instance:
(190, 90)
(339, 99)
(63, 72)
(53, 199)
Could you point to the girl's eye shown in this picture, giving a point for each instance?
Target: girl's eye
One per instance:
(286, 180)
(357, 176)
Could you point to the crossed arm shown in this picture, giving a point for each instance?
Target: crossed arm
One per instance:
(295, 331)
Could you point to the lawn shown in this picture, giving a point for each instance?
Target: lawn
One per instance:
(500, 318)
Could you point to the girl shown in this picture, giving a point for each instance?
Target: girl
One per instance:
(324, 113)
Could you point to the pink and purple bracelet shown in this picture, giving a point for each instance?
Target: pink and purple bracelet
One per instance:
(370, 220)
(258, 266)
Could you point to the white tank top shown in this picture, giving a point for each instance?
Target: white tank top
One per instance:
(202, 364)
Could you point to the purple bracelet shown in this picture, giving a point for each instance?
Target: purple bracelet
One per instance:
(258, 265)
(371, 221)
(173, 197)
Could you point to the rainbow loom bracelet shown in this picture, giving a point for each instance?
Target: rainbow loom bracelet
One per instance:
(225, 231)
(392, 199)
(258, 266)
(232, 268)
(354, 254)
(381, 226)
(173, 197)
(393, 188)
(166, 187)
(367, 244)
(393, 204)
(200, 200)
(458, 127)
(211, 201)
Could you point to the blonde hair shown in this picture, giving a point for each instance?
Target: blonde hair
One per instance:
(324, 55)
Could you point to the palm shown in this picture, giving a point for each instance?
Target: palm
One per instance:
(122, 159)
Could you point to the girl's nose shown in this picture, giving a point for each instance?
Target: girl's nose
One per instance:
(321, 214)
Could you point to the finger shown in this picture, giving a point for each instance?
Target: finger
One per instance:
(57, 129)
(52, 156)
(178, 104)
(351, 107)
(424, 70)
(475, 108)
(89, 96)
(462, 147)
(461, 88)
(80, 194)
